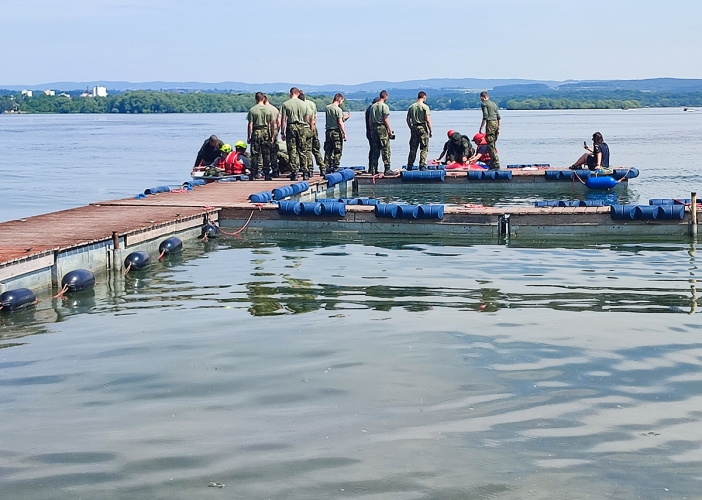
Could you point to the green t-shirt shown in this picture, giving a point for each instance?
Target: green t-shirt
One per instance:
(313, 110)
(490, 112)
(379, 112)
(418, 113)
(333, 114)
(260, 115)
(295, 110)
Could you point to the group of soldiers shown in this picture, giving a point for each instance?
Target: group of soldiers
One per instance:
(297, 124)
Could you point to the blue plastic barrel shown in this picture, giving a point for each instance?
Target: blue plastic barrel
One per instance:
(407, 211)
(347, 174)
(78, 280)
(197, 182)
(583, 174)
(299, 187)
(648, 212)
(19, 298)
(430, 212)
(334, 179)
(386, 210)
(310, 208)
(673, 212)
(282, 192)
(601, 182)
(565, 175)
(289, 208)
(503, 175)
(333, 209)
(262, 197)
(368, 201)
(159, 189)
(622, 212)
(551, 175)
(630, 173)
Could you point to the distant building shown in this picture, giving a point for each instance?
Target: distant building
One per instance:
(63, 94)
(28, 93)
(49, 92)
(99, 91)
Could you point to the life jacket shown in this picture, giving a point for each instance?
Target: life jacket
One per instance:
(233, 164)
(483, 150)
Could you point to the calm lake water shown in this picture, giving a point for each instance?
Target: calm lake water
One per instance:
(356, 368)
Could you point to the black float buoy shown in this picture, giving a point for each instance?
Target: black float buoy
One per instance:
(209, 231)
(170, 246)
(20, 298)
(137, 260)
(77, 281)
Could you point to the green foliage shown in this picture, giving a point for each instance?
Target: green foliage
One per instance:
(201, 102)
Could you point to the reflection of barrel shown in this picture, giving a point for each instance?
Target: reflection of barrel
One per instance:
(78, 280)
(262, 197)
(431, 212)
(407, 211)
(170, 246)
(386, 210)
(601, 182)
(12, 300)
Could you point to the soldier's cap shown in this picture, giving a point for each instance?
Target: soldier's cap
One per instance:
(456, 136)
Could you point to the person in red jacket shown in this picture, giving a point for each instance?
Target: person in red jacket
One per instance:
(236, 162)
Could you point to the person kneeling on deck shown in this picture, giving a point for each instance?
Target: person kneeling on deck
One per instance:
(235, 162)
(209, 152)
(482, 153)
(458, 148)
(597, 157)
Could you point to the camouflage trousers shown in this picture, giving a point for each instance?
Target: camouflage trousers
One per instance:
(492, 131)
(297, 140)
(313, 146)
(273, 154)
(333, 147)
(260, 152)
(419, 139)
(380, 145)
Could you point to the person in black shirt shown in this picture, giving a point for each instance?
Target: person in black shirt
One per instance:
(209, 152)
(596, 157)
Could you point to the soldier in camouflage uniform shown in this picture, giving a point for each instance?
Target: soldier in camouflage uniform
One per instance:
(419, 123)
(295, 125)
(259, 135)
(275, 169)
(381, 134)
(491, 122)
(313, 145)
(335, 134)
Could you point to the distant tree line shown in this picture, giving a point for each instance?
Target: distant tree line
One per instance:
(211, 102)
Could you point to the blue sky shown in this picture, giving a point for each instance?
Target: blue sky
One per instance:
(319, 42)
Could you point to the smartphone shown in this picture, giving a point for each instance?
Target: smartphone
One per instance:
(585, 143)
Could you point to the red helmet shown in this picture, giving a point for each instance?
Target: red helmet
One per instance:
(450, 133)
(479, 137)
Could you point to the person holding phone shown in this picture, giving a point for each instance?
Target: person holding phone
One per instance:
(596, 157)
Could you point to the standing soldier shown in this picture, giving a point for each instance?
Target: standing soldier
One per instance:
(381, 133)
(368, 131)
(335, 134)
(313, 145)
(275, 169)
(491, 121)
(419, 123)
(259, 135)
(295, 126)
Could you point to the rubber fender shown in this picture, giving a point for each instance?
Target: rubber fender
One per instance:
(282, 192)
(170, 246)
(78, 280)
(137, 260)
(209, 230)
(407, 211)
(299, 187)
(583, 174)
(431, 212)
(333, 209)
(19, 298)
(262, 197)
(551, 175)
(289, 208)
(310, 208)
(347, 174)
(333, 179)
(623, 212)
(503, 175)
(606, 182)
(386, 210)
(159, 189)
(565, 175)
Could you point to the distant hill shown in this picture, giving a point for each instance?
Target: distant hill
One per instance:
(649, 85)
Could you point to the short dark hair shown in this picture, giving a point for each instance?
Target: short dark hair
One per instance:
(383, 94)
(597, 138)
(421, 94)
(294, 90)
(259, 97)
(302, 96)
(338, 96)
(484, 94)
(213, 138)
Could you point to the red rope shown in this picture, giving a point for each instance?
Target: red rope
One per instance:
(60, 294)
(128, 268)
